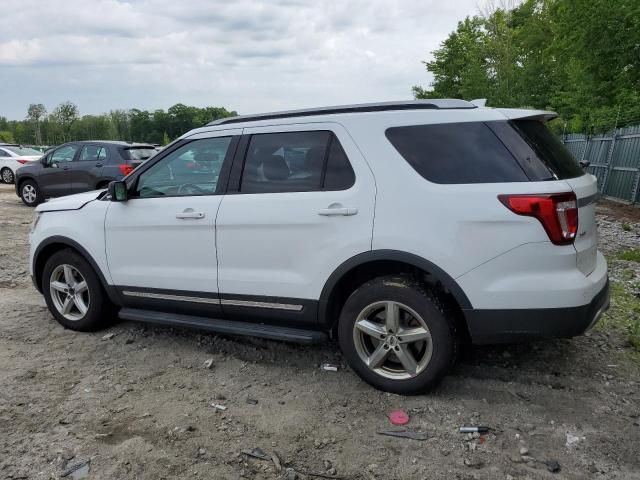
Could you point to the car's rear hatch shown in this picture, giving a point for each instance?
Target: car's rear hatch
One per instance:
(544, 158)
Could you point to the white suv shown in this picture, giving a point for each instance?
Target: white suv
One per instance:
(399, 228)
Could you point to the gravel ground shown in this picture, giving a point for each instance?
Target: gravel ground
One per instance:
(137, 403)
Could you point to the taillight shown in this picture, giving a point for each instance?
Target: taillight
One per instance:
(22, 162)
(557, 212)
(125, 169)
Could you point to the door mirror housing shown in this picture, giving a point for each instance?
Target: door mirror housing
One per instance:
(118, 191)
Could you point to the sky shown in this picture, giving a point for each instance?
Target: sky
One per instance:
(245, 55)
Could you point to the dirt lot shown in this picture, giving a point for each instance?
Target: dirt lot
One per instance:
(139, 405)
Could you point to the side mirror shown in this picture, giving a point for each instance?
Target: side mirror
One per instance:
(118, 191)
(584, 164)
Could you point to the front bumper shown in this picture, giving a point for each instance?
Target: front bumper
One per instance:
(519, 325)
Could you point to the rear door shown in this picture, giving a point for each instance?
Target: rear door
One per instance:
(87, 167)
(55, 178)
(302, 203)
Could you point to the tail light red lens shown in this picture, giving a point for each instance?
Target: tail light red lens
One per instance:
(125, 169)
(22, 162)
(557, 212)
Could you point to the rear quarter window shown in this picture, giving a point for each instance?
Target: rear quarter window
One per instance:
(455, 153)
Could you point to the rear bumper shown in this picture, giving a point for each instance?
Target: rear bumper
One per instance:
(518, 325)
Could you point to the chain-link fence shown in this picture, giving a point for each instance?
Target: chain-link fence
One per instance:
(614, 159)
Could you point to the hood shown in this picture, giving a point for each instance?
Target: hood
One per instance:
(71, 202)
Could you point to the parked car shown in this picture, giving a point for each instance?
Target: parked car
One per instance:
(12, 157)
(78, 167)
(402, 229)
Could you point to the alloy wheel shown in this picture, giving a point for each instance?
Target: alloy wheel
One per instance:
(7, 176)
(392, 340)
(29, 193)
(69, 292)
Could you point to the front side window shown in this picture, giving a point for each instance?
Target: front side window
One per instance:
(295, 162)
(192, 169)
(64, 154)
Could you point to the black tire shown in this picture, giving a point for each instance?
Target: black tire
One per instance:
(100, 310)
(7, 176)
(26, 198)
(404, 291)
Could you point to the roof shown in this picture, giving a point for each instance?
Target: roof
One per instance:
(117, 143)
(435, 104)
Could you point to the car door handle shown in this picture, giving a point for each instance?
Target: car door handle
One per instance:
(189, 214)
(338, 210)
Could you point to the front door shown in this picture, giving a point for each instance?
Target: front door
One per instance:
(303, 206)
(160, 243)
(54, 179)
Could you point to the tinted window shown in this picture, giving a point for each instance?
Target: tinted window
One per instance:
(3, 153)
(539, 151)
(64, 154)
(295, 162)
(339, 174)
(91, 153)
(456, 153)
(192, 169)
(138, 153)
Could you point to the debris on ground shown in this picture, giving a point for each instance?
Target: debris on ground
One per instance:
(257, 452)
(573, 439)
(217, 406)
(553, 466)
(472, 429)
(252, 401)
(77, 471)
(328, 367)
(108, 336)
(413, 435)
(398, 417)
(208, 364)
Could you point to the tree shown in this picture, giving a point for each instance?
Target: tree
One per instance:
(35, 113)
(66, 113)
(6, 136)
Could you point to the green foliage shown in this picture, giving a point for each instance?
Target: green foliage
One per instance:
(65, 124)
(624, 315)
(626, 227)
(630, 255)
(6, 136)
(580, 58)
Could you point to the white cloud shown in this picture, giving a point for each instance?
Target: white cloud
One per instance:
(245, 55)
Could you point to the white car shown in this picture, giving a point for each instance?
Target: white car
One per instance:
(399, 228)
(12, 157)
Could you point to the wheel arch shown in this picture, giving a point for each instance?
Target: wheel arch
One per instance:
(56, 243)
(365, 266)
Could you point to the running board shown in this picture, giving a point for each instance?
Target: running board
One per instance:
(272, 332)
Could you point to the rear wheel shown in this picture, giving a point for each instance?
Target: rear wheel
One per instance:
(30, 193)
(74, 293)
(397, 336)
(7, 175)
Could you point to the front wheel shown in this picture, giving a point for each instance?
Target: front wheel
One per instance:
(7, 175)
(396, 335)
(74, 293)
(30, 193)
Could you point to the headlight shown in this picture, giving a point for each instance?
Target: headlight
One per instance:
(36, 219)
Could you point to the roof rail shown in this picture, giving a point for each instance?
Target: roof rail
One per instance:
(435, 104)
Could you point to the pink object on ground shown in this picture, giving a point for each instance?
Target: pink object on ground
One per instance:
(399, 417)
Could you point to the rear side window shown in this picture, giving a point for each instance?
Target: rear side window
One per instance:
(92, 153)
(538, 151)
(295, 162)
(138, 153)
(454, 153)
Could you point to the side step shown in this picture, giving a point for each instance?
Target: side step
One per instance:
(272, 332)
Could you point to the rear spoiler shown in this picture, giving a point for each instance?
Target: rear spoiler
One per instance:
(521, 114)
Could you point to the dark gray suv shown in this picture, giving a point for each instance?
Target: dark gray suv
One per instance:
(78, 167)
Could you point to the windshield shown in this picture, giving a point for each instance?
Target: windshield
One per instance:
(139, 153)
(24, 151)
